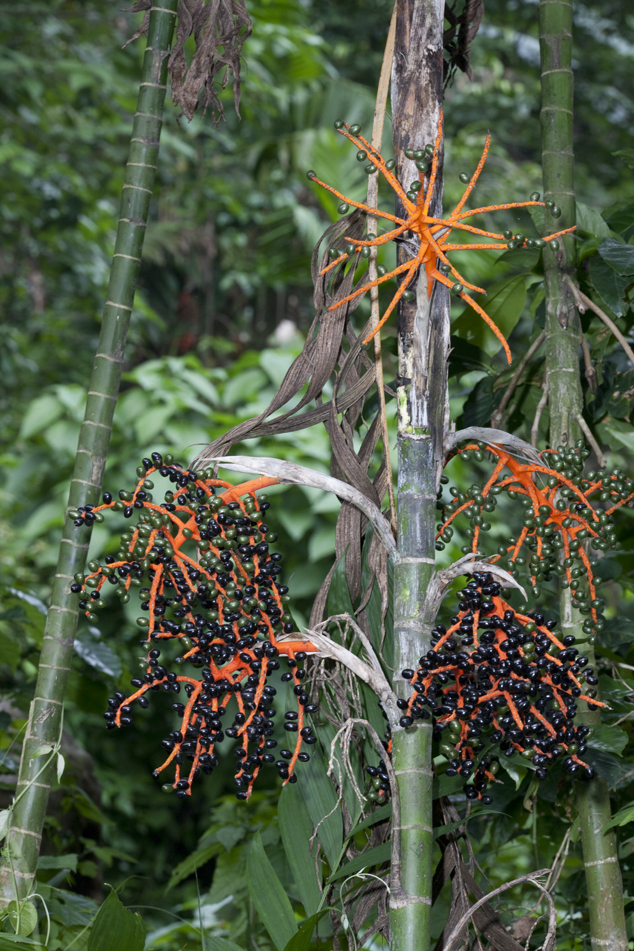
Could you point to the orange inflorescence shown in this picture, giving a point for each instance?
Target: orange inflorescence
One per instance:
(432, 232)
(562, 515)
(223, 606)
(500, 683)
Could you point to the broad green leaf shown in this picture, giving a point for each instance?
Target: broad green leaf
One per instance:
(608, 738)
(446, 785)
(98, 655)
(301, 941)
(68, 861)
(23, 917)
(268, 896)
(609, 284)
(220, 944)
(591, 221)
(297, 830)
(116, 928)
(193, 862)
(384, 812)
(321, 801)
(620, 217)
(618, 255)
(465, 356)
(480, 404)
(375, 856)
(40, 413)
(617, 630)
(504, 305)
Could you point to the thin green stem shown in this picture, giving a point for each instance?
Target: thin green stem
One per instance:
(563, 336)
(24, 837)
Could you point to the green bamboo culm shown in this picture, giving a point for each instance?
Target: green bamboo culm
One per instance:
(423, 341)
(22, 846)
(600, 853)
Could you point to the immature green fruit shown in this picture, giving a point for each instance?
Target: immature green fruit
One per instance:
(343, 208)
(464, 178)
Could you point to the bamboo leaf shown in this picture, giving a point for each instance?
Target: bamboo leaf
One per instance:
(297, 830)
(116, 928)
(375, 856)
(193, 862)
(270, 899)
(301, 941)
(215, 943)
(14, 942)
(384, 812)
(622, 818)
(321, 801)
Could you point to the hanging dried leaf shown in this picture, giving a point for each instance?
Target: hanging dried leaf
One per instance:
(459, 35)
(219, 28)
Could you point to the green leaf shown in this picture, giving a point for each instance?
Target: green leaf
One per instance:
(297, 830)
(504, 305)
(40, 413)
(384, 812)
(270, 899)
(339, 601)
(465, 356)
(220, 944)
(68, 861)
(375, 856)
(621, 818)
(480, 404)
(23, 917)
(14, 942)
(609, 284)
(620, 217)
(608, 738)
(301, 941)
(617, 630)
(98, 655)
(116, 928)
(591, 221)
(321, 800)
(193, 862)
(626, 155)
(446, 785)
(620, 256)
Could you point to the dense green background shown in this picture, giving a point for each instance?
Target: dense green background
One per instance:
(225, 297)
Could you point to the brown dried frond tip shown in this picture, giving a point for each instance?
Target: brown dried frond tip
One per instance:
(219, 28)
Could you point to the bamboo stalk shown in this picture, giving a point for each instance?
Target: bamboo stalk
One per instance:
(24, 837)
(423, 340)
(563, 336)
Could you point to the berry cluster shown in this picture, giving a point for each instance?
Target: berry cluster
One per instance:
(432, 233)
(379, 784)
(223, 607)
(498, 679)
(562, 515)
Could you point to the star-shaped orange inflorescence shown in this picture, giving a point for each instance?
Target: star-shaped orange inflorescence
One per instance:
(432, 232)
(561, 516)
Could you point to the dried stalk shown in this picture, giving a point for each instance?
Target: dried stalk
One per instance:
(590, 372)
(584, 303)
(552, 924)
(288, 473)
(587, 432)
(372, 201)
(541, 406)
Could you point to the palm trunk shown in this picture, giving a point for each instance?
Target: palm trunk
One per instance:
(423, 336)
(603, 875)
(45, 718)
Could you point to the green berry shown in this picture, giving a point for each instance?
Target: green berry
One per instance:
(343, 208)
(355, 129)
(464, 178)
(535, 196)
